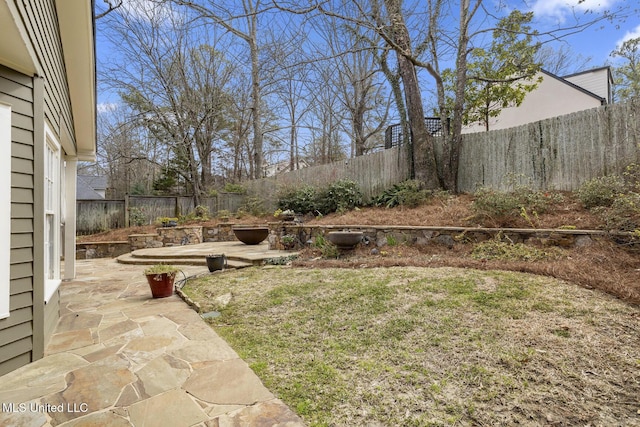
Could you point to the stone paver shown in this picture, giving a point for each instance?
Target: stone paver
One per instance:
(120, 358)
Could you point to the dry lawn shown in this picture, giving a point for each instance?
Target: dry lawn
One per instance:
(432, 346)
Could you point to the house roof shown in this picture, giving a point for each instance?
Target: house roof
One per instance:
(87, 186)
(592, 70)
(78, 42)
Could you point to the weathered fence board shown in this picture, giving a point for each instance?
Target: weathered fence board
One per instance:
(374, 173)
(559, 153)
(94, 216)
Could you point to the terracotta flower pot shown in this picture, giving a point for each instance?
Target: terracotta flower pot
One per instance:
(161, 284)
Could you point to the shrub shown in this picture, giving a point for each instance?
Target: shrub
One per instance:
(234, 188)
(301, 200)
(340, 196)
(631, 177)
(253, 206)
(327, 249)
(624, 213)
(407, 193)
(601, 191)
(137, 216)
(522, 199)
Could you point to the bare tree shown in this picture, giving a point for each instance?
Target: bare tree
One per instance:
(111, 6)
(357, 85)
(128, 158)
(243, 24)
(176, 83)
(446, 31)
(561, 60)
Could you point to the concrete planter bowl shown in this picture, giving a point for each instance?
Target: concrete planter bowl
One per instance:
(345, 240)
(251, 235)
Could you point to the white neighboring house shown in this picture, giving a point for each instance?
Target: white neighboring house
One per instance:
(555, 96)
(273, 169)
(47, 125)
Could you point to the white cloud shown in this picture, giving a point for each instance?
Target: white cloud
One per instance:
(106, 107)
(149, 10)
(632, 34)
(560, 9)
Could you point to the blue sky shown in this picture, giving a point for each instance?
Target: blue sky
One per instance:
(596, 42)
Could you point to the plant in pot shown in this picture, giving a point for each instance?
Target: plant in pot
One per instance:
(286, 215)
(166, 221)
(161, 278)
(288, 241)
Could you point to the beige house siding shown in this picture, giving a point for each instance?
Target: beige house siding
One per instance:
(597, 81)
(42, 25)
(552, 98)
(16, 331)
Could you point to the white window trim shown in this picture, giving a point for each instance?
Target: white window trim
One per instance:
(51, 284)
(5, 211)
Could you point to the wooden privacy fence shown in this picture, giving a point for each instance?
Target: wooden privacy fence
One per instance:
(374, 173)
(559, 153)
(93, 216)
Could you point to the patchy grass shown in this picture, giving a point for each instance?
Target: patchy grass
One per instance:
(431, 346)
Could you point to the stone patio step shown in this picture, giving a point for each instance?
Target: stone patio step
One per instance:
(135, 260)
(238, 254)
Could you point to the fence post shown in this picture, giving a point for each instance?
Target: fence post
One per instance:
(126, 210)
(176, 210)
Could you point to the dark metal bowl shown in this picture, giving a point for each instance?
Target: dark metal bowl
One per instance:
(345, 240)
(251, 235)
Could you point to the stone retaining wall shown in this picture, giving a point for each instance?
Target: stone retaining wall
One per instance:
(101, 249)
(378, 236)
(223, 232)
(374, 236)
(180, 235)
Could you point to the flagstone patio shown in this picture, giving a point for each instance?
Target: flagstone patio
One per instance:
(120, 358)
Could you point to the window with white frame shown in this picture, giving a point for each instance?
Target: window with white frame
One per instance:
(5, 210)
(51, 214)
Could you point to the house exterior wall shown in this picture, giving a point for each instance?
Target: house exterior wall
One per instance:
(551, 98)
(16, 331)
(37, 101)
(597, 81)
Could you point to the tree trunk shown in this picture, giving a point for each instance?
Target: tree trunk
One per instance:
(257, 101)
(423, 154)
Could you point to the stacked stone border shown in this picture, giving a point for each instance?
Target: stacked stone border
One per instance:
(300, 235)
(379, 236)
